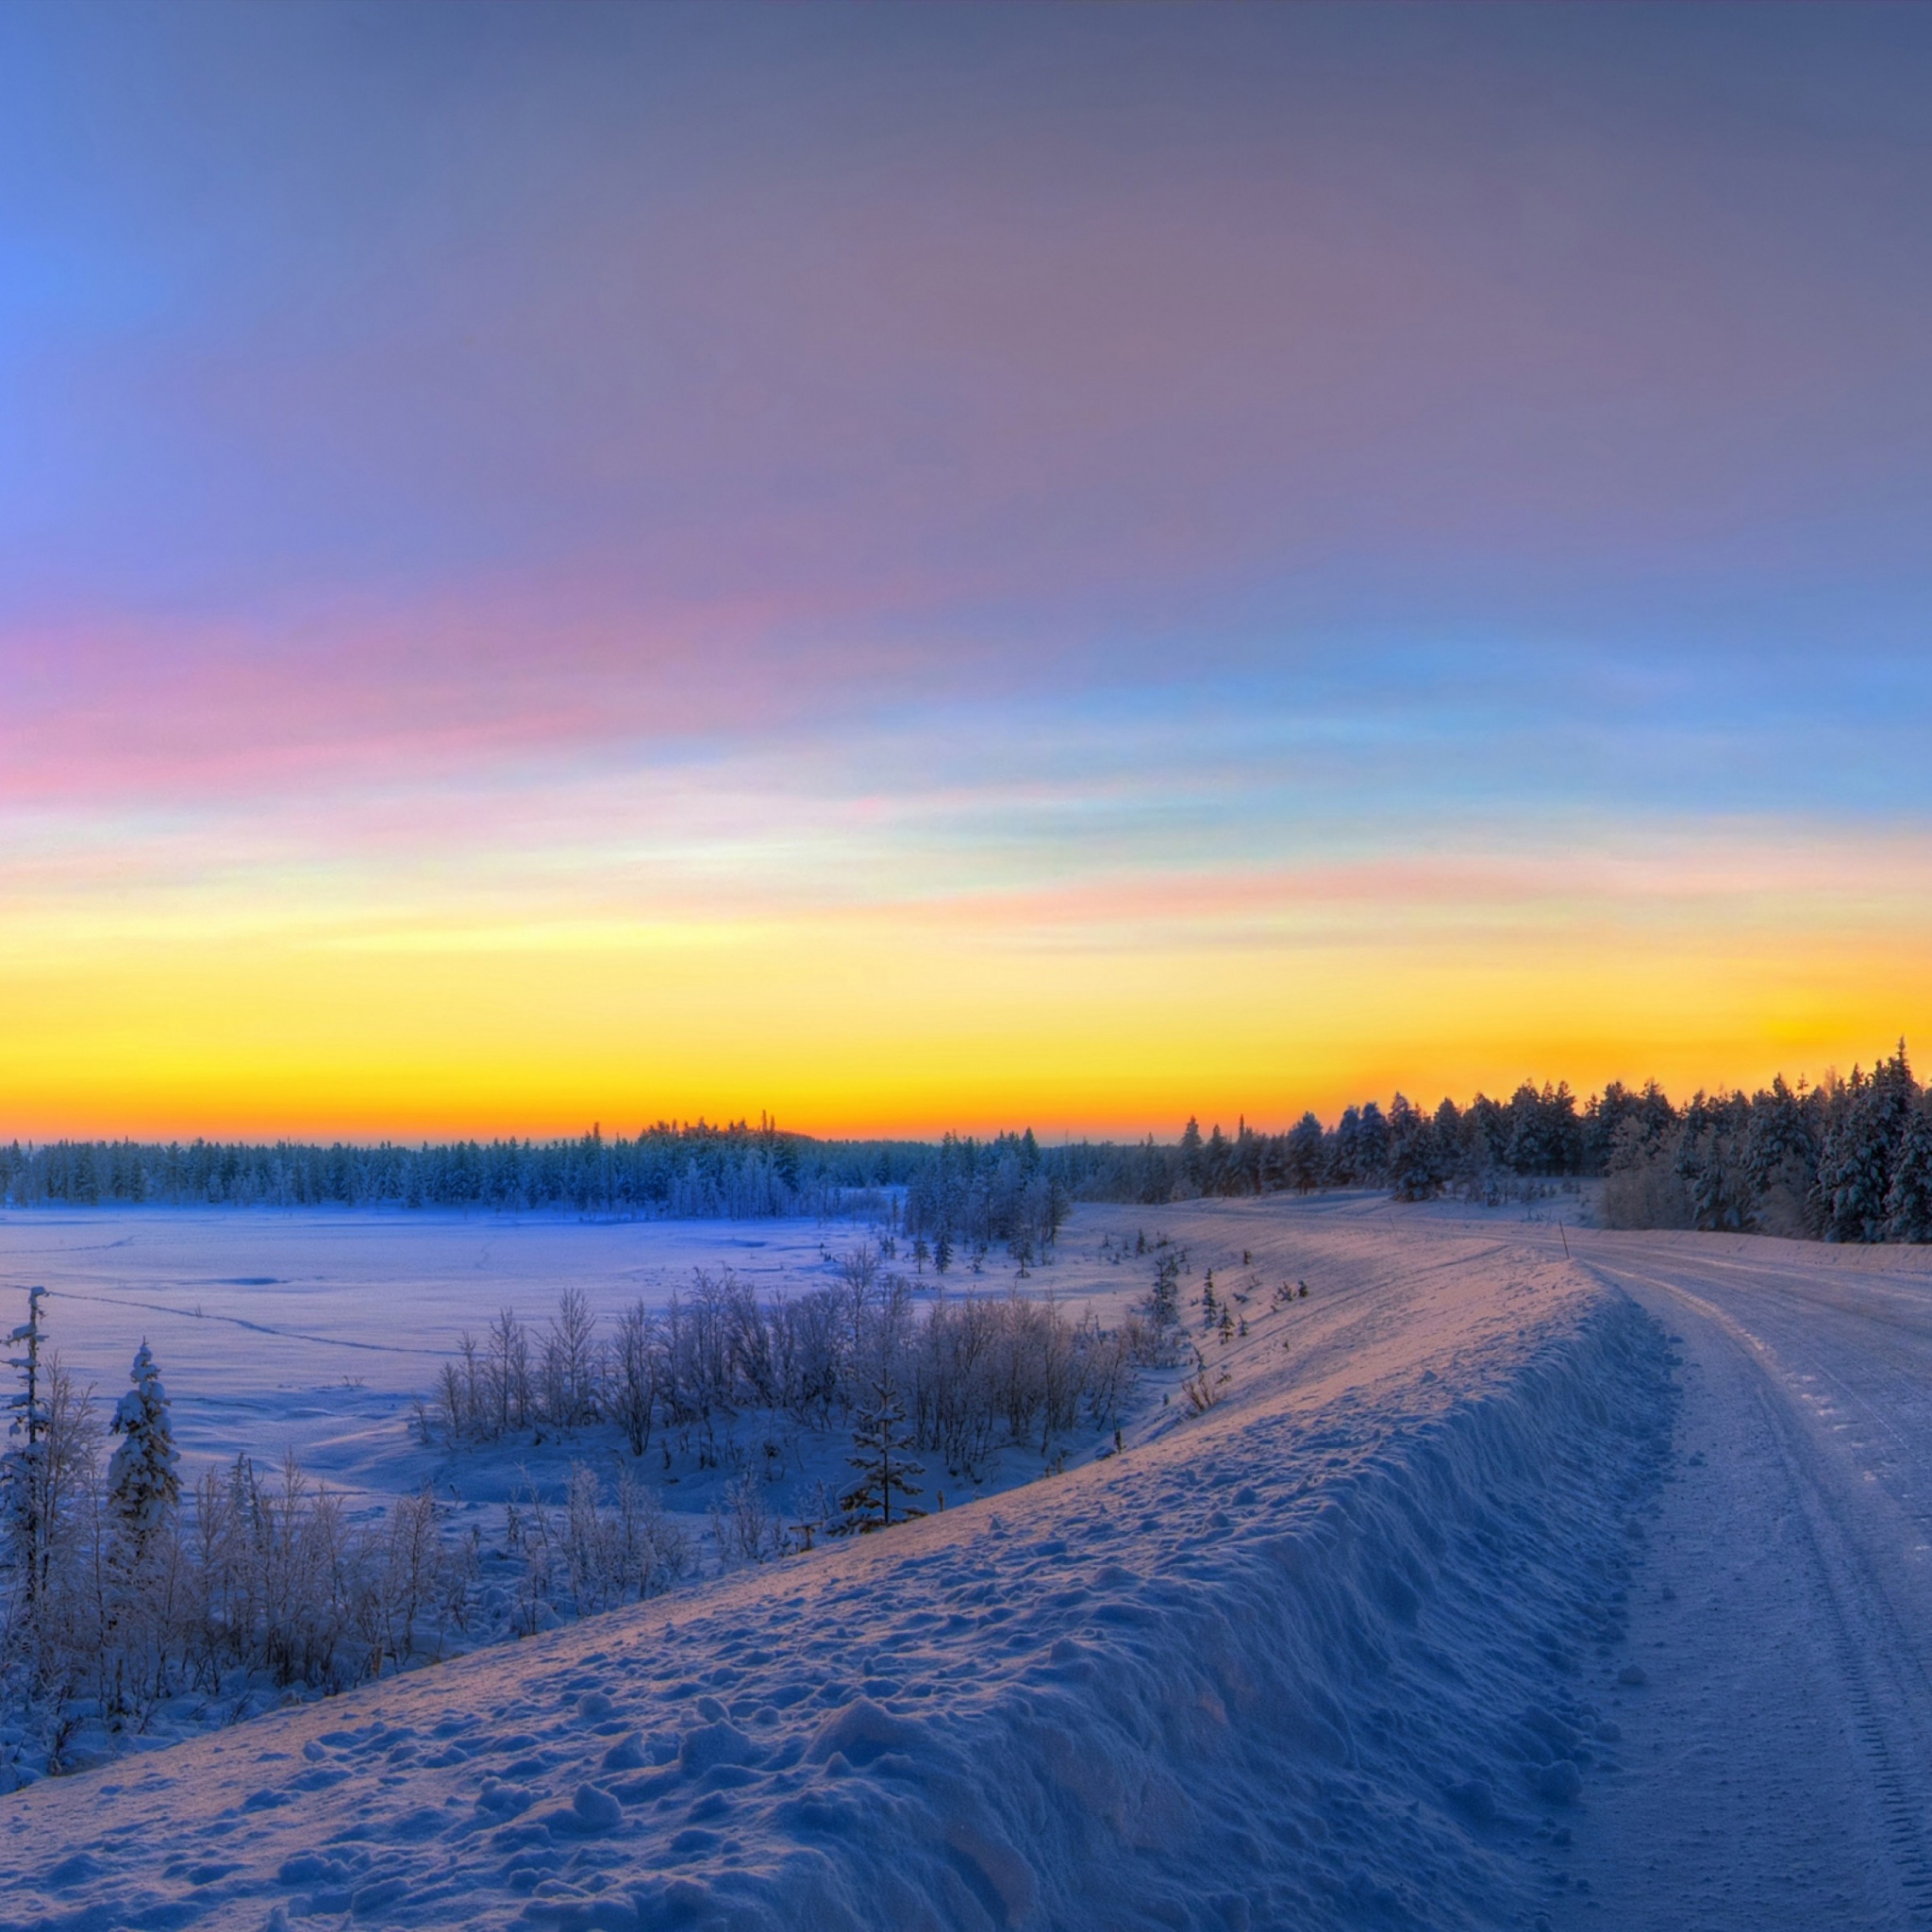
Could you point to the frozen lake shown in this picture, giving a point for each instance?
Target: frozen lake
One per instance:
(316, 1330)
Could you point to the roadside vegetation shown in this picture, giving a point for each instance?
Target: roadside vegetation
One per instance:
(132, 1599)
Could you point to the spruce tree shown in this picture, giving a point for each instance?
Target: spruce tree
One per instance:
(1779, 1146)
(1371, 1144)
(1164, 1301)
(1855, 1168)
(1908, 1201)
(143, 1481)
(23, 1475)
(882, 1462)
(1414, 1166)
(1340, 1149)
(1302, 1164)
(1191, 1154)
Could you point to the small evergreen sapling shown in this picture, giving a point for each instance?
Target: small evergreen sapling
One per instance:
(882, 1464)
(143, 1477)
(1164, 1300)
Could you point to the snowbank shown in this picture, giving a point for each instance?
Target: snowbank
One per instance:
(1313, 1657)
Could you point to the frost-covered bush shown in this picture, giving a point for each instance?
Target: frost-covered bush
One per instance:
(584, 1557)
(747, 1522)
(1642, 1188)
(978, 1372)
(122, 1591)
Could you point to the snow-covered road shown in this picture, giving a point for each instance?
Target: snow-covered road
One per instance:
(1778, 1759)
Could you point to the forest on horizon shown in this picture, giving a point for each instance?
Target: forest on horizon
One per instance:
(1849, 1159)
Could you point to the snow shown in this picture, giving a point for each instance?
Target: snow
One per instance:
(1310, 1655)
(1475, 1600)
(257, 1309)
(314, 1331)
(318, 1333)
(1779, 1716)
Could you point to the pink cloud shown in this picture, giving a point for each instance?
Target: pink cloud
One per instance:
(177, 709)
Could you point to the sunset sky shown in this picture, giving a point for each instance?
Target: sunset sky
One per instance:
(949, 567)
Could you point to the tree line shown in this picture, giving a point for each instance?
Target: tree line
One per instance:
(965, 1194)
(1847, 1159)
(691, 1169)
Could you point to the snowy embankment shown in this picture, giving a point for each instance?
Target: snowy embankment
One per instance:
(1313, 1657)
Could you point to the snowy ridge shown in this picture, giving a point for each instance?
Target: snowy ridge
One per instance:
(1315, 1657)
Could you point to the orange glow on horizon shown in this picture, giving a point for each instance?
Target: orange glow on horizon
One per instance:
(916, 1020)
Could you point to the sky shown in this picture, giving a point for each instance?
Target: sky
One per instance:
(954, 566)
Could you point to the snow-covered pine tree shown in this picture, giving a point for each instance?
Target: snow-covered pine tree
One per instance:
(1414, 1165)
(1302, 1165)
(24, 1501)
(1779, 1150)
(882, 1462)
(1868, 1118)
(1193, 1155)
(1164, 1299)
(143, 1481)
(1371, 1144)
(1340, 1149)
(1908, 1202)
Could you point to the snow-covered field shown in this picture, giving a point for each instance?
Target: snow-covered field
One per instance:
(315, 1330)
(1476, 1600)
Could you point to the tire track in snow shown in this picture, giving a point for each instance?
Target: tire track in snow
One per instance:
(1870, 1631)
(199, 1314)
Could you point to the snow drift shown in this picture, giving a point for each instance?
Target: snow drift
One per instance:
(1317, 1656)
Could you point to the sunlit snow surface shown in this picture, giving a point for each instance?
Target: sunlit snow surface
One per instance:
(1503, 1588)
(1275, 1664)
